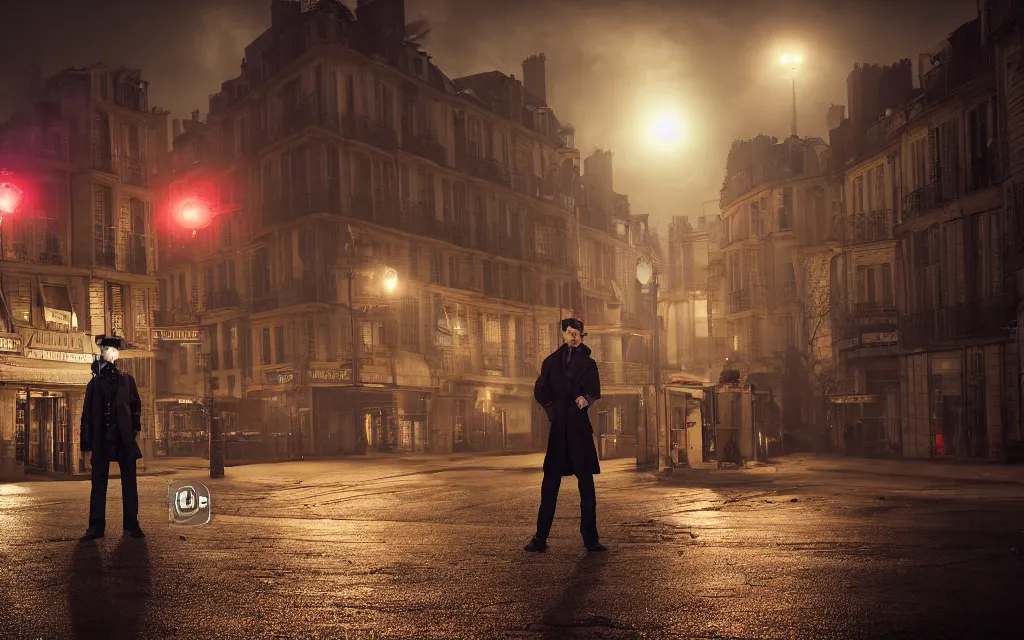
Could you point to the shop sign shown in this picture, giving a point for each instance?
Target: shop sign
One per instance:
(56, 341)
(278, 377)
(177, 335)
(872, 352)
(887, 337)
(10, 343)
(845, 345)
(59, 356)
(330, 375)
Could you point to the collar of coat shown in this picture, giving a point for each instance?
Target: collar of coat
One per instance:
(583, 349)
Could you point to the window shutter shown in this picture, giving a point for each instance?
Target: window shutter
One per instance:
(97, 304)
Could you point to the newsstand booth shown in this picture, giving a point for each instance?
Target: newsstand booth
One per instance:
(738, 434)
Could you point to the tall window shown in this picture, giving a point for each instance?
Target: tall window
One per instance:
(265, 346)
(279, 354)
(918, 164)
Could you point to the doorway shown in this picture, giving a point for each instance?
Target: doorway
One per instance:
(43, 431)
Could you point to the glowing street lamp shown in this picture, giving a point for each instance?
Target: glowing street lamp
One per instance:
(193, 214)
(390, 279)
(645, 275)
(11, 196)
(792, 61)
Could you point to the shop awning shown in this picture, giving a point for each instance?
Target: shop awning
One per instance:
(78, 375)
(853, 399)
(179, 399)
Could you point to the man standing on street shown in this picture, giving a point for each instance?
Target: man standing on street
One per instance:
(111, 420)
(568, 384)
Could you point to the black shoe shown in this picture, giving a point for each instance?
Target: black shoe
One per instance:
(536, 546)
(596, 548)
(92, 533)
(135, 532)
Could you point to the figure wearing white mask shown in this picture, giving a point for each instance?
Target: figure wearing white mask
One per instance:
(111, 421)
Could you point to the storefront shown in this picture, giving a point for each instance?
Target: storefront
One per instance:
(42, 387)
(184, 427)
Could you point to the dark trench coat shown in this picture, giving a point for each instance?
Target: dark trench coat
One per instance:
(128, 410)
(571, 447)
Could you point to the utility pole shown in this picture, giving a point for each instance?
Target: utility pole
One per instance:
(360, 435)
(213, 424)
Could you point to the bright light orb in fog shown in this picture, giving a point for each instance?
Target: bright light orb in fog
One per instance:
(665, 129)
(390, 280)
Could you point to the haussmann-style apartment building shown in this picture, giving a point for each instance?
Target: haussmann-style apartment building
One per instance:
(390, 252)
(77, 256)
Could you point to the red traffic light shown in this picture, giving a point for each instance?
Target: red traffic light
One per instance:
(10, 197)
(193, 213)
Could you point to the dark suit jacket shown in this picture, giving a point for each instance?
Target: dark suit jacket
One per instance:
(571, 447)
(127, 410)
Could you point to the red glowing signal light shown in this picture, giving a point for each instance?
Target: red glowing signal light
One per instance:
(193, 214)
(10, 197)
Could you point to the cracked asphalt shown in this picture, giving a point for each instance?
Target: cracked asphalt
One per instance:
(405, 547)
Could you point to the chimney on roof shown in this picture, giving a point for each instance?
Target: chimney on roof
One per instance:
(195, 115)
(534, 78)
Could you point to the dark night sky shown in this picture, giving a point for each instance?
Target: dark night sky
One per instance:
(609, 62)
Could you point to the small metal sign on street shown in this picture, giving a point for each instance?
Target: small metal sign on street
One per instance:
(178, 335)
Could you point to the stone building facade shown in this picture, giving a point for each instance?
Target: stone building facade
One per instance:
(78, 257)
(391, 249)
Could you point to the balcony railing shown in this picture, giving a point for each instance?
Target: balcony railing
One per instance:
(623, 373)
(874, 309)
(29, 243)
(136, 258)
(132, 171)
(980, 319)
(983, 173)
(868, 226)
(370, 131)
(490, 170)
(425, 146)
(298, 205)
(745, 300)
(100, 161)
(216, 300)
(294, 292)
(926, 199)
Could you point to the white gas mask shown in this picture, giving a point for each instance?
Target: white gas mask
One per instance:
(110, 354)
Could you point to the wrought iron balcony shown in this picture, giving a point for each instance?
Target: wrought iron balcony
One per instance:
(216, 300)
(31, 242)
(979, 319)
(101, 161)
(745, 300)
(874, 310)
(623, 373)
(983, 173)
(868, 226)
(425, 146)
(132, 171)
(490, 170)
(922, 201)
(298, 205)
(370, 131)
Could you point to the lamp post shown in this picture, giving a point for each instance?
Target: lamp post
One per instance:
(11, 196)
(645, 274)
(792, 62)
(193, 214)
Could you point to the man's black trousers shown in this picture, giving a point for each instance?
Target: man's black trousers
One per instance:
(129, 491)
(588, 507)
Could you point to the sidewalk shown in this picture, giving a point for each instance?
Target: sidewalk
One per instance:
(806, 463)
(168, 466)
(968, 471)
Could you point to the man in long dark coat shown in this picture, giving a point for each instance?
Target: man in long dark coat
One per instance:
(111, 420)
(568, 385)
